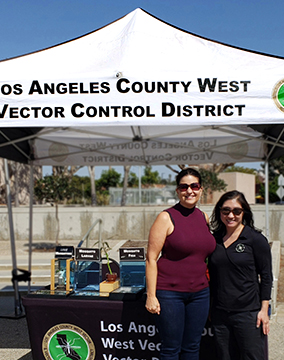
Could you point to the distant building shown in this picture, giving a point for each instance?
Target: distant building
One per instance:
(242, 182)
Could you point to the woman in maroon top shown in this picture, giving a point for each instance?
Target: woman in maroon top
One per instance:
(177, 285)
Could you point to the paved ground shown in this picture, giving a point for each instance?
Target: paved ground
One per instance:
(14, 338)
(15, 344)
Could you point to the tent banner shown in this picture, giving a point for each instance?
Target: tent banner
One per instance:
(127, 101)
(161, 151)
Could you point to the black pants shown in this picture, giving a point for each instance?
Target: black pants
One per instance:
(236, 335)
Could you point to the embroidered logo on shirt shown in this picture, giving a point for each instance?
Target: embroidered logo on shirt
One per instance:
(240, 248)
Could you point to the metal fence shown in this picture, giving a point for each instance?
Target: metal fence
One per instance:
(150, 196)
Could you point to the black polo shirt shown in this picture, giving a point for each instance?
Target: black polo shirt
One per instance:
(241, 275)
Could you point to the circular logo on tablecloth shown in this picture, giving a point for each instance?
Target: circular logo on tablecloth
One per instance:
(67, 341)
(278, 95)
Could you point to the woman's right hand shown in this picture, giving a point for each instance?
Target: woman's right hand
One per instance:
(153, 305)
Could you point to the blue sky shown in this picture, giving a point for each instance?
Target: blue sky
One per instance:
(31, 25)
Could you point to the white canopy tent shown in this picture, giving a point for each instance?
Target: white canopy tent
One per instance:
(141, 92)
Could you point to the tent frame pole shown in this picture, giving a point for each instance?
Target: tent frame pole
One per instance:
(266, 172)
(31, 223)
(18, 306)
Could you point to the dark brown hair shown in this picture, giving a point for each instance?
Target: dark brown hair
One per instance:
(188, 171)
(217, 226)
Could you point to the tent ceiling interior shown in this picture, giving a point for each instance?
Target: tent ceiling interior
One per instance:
(140, 91)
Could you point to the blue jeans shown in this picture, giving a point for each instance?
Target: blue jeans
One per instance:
(181, 323)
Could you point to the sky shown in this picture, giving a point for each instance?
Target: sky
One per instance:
(30, 25)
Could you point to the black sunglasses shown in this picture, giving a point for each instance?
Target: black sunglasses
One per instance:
(193, 186)
(235, 211)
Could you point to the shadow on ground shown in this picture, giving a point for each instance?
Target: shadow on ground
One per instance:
(14, 339)
(26, 357)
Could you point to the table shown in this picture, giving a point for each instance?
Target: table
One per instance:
(101, 329)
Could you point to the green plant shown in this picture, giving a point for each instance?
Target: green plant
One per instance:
(109, 178)
(211, 182)
(273, 186)
(105, 248)
(150, 177)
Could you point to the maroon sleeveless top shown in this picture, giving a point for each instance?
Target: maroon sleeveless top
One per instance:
(182, 265)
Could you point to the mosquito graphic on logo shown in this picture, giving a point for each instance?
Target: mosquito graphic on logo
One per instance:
(68, 347)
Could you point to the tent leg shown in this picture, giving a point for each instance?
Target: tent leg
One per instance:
(31, 223)
(18, 306)
(266, 171)
(140, 191)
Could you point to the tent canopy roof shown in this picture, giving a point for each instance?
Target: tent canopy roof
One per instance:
(140, 91)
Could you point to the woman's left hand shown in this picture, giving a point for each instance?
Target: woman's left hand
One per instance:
(263, 318)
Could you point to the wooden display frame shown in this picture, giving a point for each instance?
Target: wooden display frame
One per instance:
(52, 274)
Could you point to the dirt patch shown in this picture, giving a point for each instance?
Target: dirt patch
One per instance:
(280, 290)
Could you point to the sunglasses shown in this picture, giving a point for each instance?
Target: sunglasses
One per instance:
(193, 186)
(235, 211)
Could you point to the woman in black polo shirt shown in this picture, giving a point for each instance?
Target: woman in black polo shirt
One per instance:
(240, 281)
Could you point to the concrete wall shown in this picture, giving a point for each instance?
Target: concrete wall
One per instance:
(118, 223)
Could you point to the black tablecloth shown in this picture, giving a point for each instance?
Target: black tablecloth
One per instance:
(115, 330)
